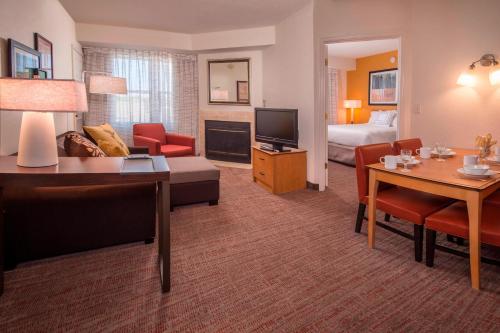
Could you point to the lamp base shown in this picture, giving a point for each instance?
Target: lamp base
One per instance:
(37, 140)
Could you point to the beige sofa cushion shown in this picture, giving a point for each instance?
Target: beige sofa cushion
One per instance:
(191, 169)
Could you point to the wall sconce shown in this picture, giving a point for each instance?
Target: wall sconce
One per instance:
(468, 78)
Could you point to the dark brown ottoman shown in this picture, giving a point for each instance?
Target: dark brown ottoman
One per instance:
(193, 179)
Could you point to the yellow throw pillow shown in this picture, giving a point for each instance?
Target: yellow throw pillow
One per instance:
(107, 139)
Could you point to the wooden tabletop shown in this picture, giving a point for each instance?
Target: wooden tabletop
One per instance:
(79, 171)
(445, 172)
(289, 151)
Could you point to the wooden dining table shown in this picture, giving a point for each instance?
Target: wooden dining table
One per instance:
(440, 178)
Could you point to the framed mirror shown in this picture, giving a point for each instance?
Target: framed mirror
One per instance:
(229, 81)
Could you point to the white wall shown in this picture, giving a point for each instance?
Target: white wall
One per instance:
(19, 20)
(447, 36)
(105, 35)
(256, 79)
(289, 77)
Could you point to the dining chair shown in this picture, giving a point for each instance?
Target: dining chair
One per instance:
(412, 144)
(407, 204)
(454, 220)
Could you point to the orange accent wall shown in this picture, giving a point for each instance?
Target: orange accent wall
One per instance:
(357, 84)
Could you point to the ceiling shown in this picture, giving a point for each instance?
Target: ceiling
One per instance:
(362, 48)
(186, 16)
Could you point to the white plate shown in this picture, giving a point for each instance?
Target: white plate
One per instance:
(414, 161)
(488, 174)
(447, 154)
(492, 159)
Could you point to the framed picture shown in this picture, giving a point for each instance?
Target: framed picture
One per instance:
(44, 46)
(242, 91)
(22, 59)
(383, 87)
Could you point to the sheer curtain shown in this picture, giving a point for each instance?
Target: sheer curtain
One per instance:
(162, 88)
(333, 81)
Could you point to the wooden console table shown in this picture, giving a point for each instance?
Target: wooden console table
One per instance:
(75, 171)
(280, 172)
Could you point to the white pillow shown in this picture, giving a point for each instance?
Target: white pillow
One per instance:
(374, 115)
(395, 121)
(385, 118)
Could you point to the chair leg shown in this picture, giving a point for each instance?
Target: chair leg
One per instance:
(359, 218)
(430, 247)
(418, 234)
(387, 217)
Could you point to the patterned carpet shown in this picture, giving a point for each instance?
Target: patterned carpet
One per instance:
(256, 262)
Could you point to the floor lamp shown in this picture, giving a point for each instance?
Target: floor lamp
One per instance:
(352, 104)
(39, 99)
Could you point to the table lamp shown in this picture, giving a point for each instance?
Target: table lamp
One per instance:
(39, 99)
(352, 104)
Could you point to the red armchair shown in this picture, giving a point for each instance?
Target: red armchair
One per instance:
(159, 142)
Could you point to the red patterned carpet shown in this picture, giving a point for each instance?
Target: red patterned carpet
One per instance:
(256, 262)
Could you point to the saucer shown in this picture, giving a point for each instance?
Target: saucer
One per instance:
(492, 159)
(414, 161)
(449, 153)
(488, 174)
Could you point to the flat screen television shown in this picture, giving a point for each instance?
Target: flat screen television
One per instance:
(278, 127)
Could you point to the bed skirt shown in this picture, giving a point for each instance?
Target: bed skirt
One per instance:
(341, 153)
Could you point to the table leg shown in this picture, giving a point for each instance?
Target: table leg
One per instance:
(164, 234)
(474, 208)
(1, 241)
(372, 208)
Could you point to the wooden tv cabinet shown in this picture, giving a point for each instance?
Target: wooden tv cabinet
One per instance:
(280, 172)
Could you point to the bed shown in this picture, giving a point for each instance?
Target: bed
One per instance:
(342, 139)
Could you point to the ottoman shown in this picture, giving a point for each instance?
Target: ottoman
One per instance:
(193, 179)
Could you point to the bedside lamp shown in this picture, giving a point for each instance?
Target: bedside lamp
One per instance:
(352, 104)
(39, 99)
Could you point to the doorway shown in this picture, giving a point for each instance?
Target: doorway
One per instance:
(362, 96)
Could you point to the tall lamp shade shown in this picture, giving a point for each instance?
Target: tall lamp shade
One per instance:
(102, 84)
(352, 104)
(39, 99)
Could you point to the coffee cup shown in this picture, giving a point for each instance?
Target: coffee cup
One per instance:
(424, 152)
(470, 160)
(390, 161)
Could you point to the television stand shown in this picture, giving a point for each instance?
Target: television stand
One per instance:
(279, 172)
(274, 148)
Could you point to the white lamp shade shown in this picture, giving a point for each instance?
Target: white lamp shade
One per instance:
(42, 95)
(495, 77)
(352, 103)
(467, 79)
(102, 84)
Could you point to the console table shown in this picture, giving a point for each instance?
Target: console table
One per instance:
(76, 171)
(280, 172)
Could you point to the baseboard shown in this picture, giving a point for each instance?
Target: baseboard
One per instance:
(312, 186)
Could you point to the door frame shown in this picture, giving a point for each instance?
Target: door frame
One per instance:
(321, 96)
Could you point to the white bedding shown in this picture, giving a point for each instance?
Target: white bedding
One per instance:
(360, 134)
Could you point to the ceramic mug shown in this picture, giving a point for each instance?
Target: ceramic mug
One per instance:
(424, 152)
(390, 161)
(471, 159)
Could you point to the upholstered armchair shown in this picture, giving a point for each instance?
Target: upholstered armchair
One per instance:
(159, 142)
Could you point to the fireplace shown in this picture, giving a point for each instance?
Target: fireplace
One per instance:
(227, 141)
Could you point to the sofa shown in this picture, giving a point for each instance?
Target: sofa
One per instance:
(51, 221)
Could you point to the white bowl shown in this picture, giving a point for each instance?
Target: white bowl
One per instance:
(477, 169)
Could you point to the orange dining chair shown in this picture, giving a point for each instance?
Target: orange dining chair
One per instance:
(407, 204)
(454, 220)
(412, 144)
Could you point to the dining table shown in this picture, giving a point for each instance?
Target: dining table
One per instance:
(440, 178)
